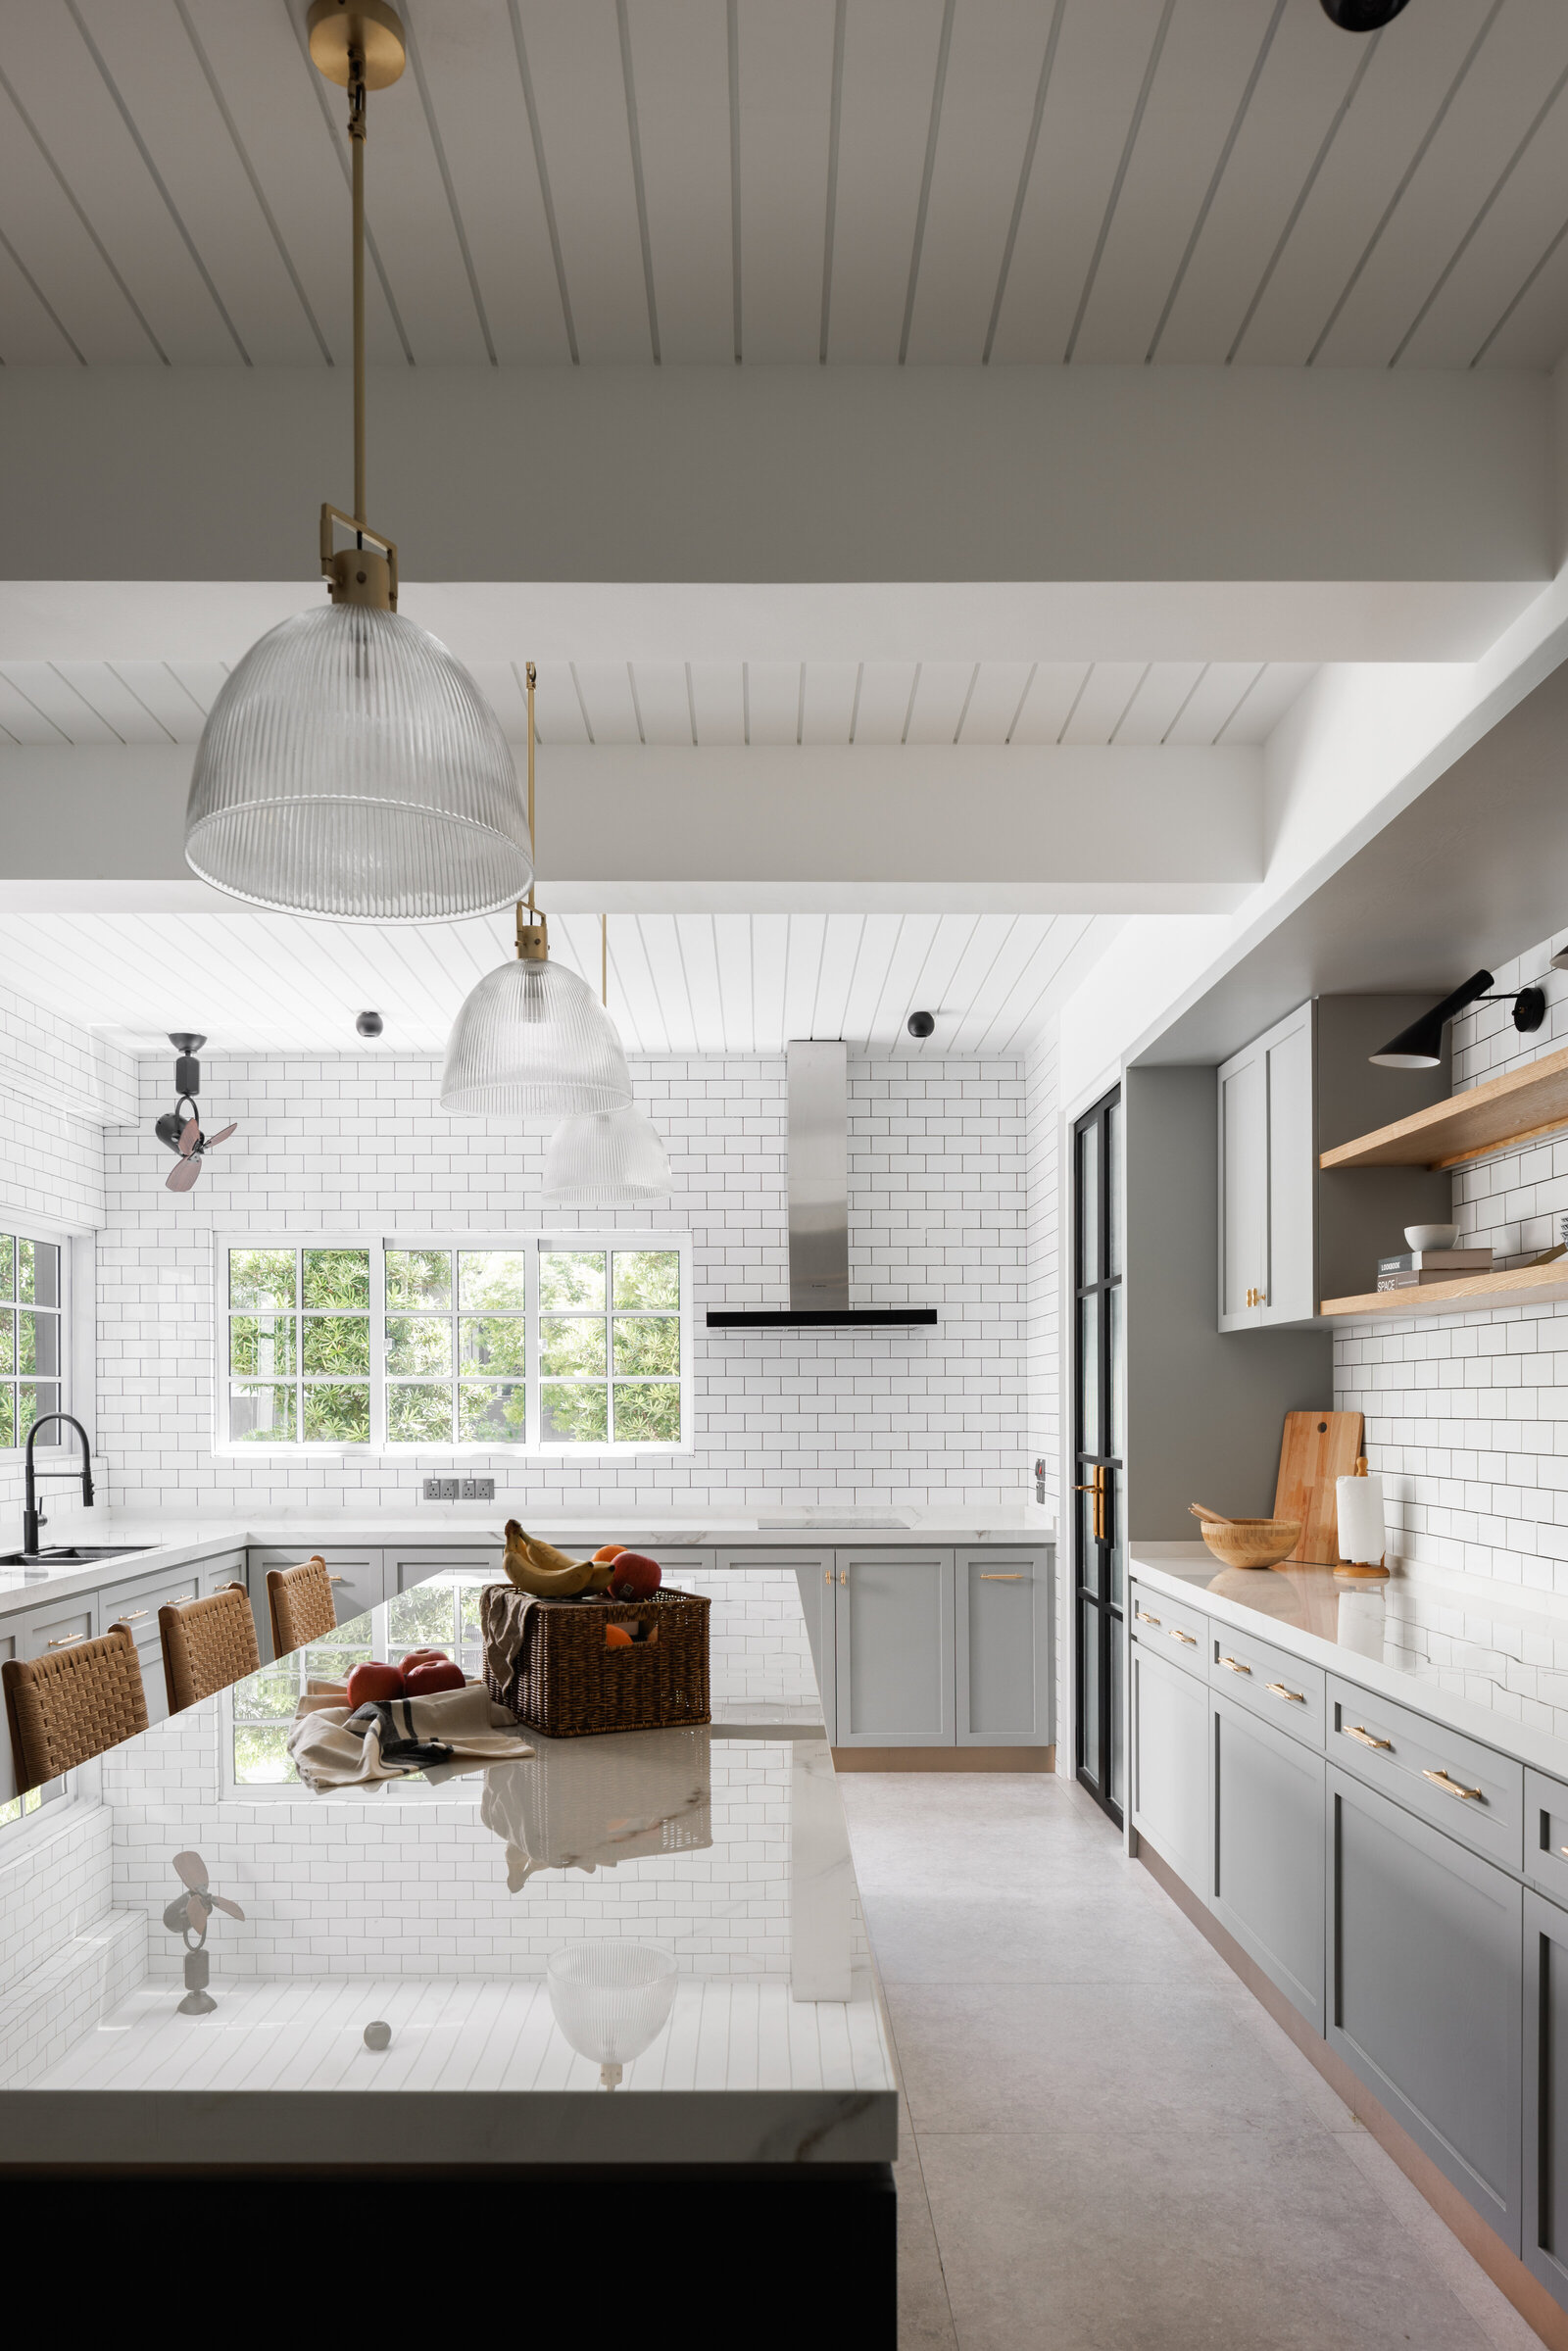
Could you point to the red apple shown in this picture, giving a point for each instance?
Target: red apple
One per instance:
(421, 1657)
(375, 1681)
(634, 1576)
(433, 1674)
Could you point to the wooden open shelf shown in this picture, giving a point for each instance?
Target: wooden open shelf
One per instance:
(1520, 1286)
(1516, 1108)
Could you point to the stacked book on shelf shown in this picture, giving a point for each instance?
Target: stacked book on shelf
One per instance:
(1414, 1268)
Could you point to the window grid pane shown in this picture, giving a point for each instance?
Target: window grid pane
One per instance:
(31, 1339)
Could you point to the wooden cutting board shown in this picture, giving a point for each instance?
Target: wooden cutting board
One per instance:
(1318, 1447)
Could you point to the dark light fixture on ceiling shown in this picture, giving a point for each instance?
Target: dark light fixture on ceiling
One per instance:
(1420, 1045)
(1362, 15)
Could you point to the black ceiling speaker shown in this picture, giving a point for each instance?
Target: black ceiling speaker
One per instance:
(1362, 16)
(921, 1024)
(370, 1024)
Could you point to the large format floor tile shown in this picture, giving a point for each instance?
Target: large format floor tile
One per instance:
(1109, 2145)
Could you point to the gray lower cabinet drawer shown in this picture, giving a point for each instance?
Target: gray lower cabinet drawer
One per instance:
(1424, 1990)
(1172, 1627)
(1464, 1788)
(1168, 1717)
(1268, 1683)
(1544, 2221)
(1546, 1834)
(1266, 1860)
(46, 1628)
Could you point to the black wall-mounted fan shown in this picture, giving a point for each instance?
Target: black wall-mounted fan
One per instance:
(180, 1127)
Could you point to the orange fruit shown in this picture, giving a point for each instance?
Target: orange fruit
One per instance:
(617, 1636)
(607, 1552)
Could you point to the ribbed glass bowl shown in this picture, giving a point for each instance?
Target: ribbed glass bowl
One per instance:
(350, 767)
(612, 1999)
(533, 1041)
(607, 1158)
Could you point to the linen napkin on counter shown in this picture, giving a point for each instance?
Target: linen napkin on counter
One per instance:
(389, 1739)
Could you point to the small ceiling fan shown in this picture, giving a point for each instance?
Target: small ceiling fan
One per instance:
(180, 1127)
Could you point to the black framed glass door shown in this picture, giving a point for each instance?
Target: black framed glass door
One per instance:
(1098, 1550)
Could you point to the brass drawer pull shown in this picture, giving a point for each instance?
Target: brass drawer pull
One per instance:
(1278, 1689)
(180, 1598)
(1354, 1731)
(1452, 1787)
(337, 1578)
(985, 1578)
(67, 1639)
(1144, 1618)
(128, 1616)
(1176, 1634)
(1233, 1665)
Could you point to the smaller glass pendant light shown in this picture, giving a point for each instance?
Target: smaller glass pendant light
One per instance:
(609, 1158)
(530, 1041)
(350, 766)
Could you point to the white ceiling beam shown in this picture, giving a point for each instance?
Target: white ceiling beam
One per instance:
(1019, 474)
(1037, 828)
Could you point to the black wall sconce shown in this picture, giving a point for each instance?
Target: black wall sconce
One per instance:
(1420, 1045)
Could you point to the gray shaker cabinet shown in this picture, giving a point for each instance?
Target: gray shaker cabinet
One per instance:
(1424, 1990)
(1003, 1648)
(893, 1629)
(1545, 2217)
(1265, 1881)
(1267, 1176)
(1169, 1713)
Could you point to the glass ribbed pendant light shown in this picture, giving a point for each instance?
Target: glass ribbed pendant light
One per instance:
(350, 766)
(530, 1041)
(611, 1158)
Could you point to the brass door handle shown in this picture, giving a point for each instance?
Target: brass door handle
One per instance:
(997, 1578)
(1354, 1731)
(1098, 1486)
(1278, 1689)
(1452, 1787)
(1233, 1665)
(1176, 1634)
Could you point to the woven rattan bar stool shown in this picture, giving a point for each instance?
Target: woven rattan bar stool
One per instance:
(300, 1602)
(207, 1645)
(76, 1703)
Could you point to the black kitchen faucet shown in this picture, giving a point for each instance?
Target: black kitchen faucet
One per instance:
(33, 1518)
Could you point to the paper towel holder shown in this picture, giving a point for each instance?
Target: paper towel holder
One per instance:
(1355, 1570)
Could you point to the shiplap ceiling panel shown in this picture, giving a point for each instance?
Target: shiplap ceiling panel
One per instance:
(994, 703)
(1108, 695)
(886, 688)
(732, 949)
(30, 333)
(802, 967)
(558, 711)
(830, 689)
(468, 57)
(697, 946)
(835, 976)
(201, 680)
(899, 988)
(785, 61)
(74, 719)
(680, 70)
(889, 63)
(1156, 706)
(718, 697)
(664, 703)
(57, 250)
(940, 701)
(1214, 702)
(1096, 79)
(107, 694)
(879, 937)
(773, 702)
(574, 54)
(769, 954)
(607, 692)
(160, 692)
(1451, 184)
(500, 684)
(1048, 704)
(1266, 702)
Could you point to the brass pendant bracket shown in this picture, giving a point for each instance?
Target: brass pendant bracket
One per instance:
(533, 935)
(361, 573)
(368, 34)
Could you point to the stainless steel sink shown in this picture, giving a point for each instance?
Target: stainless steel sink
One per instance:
(72, 1554)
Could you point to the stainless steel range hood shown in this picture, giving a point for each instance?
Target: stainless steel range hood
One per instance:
(820, 1206)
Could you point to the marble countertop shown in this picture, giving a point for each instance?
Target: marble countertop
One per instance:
(436, 1907)
(168, 1540)
(1466, 1658)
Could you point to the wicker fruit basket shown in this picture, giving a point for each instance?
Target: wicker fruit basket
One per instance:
(549, 1662)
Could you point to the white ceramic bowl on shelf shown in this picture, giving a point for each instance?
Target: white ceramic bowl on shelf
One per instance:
(1431, 1236)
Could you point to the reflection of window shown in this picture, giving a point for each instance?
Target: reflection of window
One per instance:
(441, 1614)
(32, 1337)
(543, 1341)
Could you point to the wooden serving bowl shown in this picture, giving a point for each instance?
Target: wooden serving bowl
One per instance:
(1252, 1542)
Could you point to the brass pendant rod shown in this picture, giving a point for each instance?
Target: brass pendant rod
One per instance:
(533, 853)
(357, 152)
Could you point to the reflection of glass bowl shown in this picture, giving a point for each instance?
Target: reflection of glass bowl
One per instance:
(1269, 1593)
(612, 1999)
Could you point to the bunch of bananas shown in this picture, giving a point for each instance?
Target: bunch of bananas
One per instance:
(537, 1567)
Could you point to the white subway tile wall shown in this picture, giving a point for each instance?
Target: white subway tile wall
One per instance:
(1465, 1411)
(938, 1201)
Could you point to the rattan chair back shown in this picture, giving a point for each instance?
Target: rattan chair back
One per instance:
(207, 1645)
(300, 1602)
(72, 1703)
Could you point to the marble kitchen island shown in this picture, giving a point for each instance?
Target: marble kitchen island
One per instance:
(433, 1909)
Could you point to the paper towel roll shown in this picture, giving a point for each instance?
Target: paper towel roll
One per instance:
(1362, 1538)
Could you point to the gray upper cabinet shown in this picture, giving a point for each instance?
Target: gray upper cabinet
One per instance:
(1243, 1188)
(1424, 1990)
(1003, 1649)
(1266, 1863)
(1169, 1711)
(892, 1627)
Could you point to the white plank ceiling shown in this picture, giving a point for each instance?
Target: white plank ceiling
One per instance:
(677, 983)
(722, 180)
(763, 702)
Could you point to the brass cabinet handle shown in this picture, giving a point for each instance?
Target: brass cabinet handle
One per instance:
(996, 1578)
(1144, 1618)
(180, 1598)
(1354, 1731)
(1257, 1298)
(1452, 1787)
(844, 1575)
(128, 1616)
(1233, 1665)
(67, 1638)
(1278, 1689)
(1176, 1634)
(337, 1578)
(827, 1575)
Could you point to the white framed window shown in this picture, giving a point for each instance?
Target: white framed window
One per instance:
(34, 1332)
(558, 1342)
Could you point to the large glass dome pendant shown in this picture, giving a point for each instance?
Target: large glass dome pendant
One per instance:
(612, 1160)
(350, 766)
